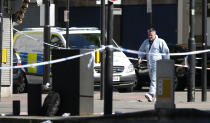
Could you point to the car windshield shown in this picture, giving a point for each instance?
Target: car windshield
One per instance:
(84, 41)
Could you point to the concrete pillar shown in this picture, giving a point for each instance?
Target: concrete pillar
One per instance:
(165, 85)
(6, 74)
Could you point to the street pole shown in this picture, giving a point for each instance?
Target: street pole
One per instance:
(204, 56)
(103, 21)
(1, 38)
(46, 76)
(149, 11)
(191, 60)
(150, 19)
(67, 24)
(108, 91)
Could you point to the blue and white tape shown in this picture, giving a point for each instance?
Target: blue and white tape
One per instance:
(52, 61)
(92, 58)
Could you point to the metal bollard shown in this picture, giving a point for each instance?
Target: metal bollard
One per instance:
(16, 107)
(34, 99)
(165, 85)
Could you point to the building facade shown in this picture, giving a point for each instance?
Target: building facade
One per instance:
(169, 17)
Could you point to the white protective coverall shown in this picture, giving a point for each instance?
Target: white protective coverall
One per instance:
(153, 54)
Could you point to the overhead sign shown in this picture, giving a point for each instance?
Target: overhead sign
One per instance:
(38, 2)
(66, 16)
(117, 11)
(149, 6)
(106, 1)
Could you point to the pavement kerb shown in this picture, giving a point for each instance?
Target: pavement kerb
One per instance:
(167, 115)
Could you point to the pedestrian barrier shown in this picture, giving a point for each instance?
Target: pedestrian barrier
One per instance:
(182, 65)
(178, 65)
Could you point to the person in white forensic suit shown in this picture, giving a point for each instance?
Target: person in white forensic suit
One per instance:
(154, 48)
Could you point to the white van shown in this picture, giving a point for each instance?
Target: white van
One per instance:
(29, 45)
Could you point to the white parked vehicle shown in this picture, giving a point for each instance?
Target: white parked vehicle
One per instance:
(31, 50)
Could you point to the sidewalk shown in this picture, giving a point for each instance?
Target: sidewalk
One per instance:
(122, 102)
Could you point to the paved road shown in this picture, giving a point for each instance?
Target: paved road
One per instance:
(122, 102)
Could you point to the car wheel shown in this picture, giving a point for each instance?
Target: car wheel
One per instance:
(21, 87)
(142, 78)
(138, 85)
(51, 104)
(15, 90)
(123, 90)
(179, 83)
(129, 89)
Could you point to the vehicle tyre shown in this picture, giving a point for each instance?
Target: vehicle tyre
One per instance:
(180, 83)
(15, 89)
(129, 89)
(51, 104)
(21, 87)
(139, 85)
(142, 78)
(123, 90)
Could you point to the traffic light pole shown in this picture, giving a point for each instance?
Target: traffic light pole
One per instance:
(191, 60)
(1, 37)
(150, 14)
(149, 11)
(103, 23)
(67, 24)
(46, 76)
(108, 91)
(204, 46)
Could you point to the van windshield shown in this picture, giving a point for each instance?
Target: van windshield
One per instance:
(84, 41)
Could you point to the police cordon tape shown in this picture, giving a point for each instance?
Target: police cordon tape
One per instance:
(53, 61)
(92, 57)
(181, 65)
(99, 49)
